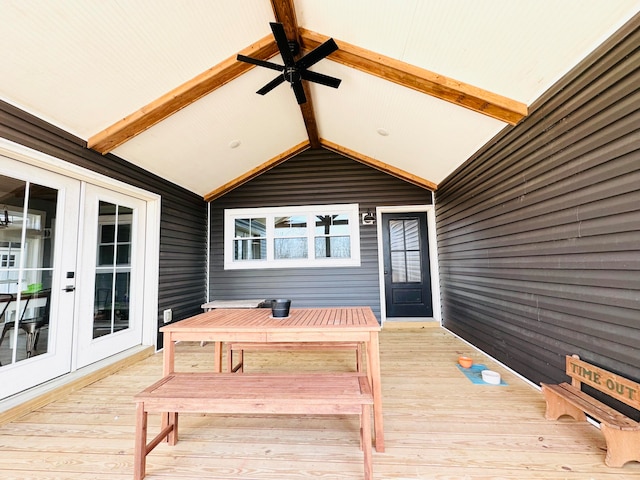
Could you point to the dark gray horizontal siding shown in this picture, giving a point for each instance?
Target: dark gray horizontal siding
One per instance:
(312, 178)
(183, 229)
(539, 234)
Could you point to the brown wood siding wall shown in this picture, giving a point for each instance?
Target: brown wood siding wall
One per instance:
(539, 234)
(311, 178)
(182, 267)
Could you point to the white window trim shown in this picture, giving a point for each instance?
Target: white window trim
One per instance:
(230, 215)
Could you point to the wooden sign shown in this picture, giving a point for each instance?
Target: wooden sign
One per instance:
(617, 387)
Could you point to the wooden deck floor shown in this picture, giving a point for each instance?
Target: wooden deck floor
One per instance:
(438, 426)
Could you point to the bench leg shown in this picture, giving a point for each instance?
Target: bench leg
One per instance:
(229, 358)
(172, 437)
(365, 440)
(168, 431)
(240, 366)
(622, 445)
(140, 447)
(558, 406)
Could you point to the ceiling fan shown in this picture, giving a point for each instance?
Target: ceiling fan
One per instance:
(295, 71)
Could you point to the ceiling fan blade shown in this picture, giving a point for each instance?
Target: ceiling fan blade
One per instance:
(271, 85)
(283, 44)
(317, 54)
(320, 78)
(299, 91)
(260, 63)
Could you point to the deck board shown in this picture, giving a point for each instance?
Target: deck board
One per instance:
(438, 425)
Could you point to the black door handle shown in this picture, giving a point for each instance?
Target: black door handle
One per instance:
(69, 288)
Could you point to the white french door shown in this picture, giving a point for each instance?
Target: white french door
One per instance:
(78, 268)
(38, 245)
(111, 274)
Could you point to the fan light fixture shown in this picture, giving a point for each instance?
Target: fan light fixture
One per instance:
(368, 218)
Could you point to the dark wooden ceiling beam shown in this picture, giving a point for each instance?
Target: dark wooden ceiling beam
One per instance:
(180, 97)
(439, 86)
(285, 13)
(462, 94)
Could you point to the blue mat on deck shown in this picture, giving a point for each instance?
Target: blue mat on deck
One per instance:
(474, 374)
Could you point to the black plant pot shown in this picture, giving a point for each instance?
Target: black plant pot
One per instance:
(280, 308)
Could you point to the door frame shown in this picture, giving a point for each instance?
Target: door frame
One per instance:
(152, 225)
(433, 256)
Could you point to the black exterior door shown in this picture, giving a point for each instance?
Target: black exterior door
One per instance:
(407, 276)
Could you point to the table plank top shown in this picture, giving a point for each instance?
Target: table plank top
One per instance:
(260, 320)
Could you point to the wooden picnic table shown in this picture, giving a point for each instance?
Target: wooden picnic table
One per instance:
(343, 324)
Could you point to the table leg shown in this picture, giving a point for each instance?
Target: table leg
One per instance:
(217, 354)
(373, 357)
(168, 356)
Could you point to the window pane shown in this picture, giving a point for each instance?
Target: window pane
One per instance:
(413, 266)
(253, 249)
(102, 305)
(286, 248)
(250, 227)
(107, 233)
(112, 280)
(332, 224)
(294, 226)
(124, 231)
(121, 305)
(398, 267)
(412, 237)
(123, 254)
(105, 255)
(396, 234)
(333, 247)
(26, 267)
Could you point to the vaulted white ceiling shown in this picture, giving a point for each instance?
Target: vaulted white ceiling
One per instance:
(84, 65)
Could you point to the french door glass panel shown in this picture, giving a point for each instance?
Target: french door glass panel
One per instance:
(38, 234)
(113, 269)
(111, 274)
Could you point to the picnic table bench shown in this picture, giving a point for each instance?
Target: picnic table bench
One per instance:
(229, 393)
(621, 433)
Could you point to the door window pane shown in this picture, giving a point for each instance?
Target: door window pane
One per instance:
(113, 269)
(404, 241)
(27, 220)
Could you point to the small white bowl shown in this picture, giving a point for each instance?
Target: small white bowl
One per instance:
(491, 377)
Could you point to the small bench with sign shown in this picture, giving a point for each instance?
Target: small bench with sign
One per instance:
(621, 433)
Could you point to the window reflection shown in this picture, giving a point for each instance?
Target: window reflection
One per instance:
(250, 239)
(404, 241)
(27, 220)
(290, 237)
(113, 269)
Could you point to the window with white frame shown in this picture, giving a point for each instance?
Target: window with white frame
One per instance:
(292, 237)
